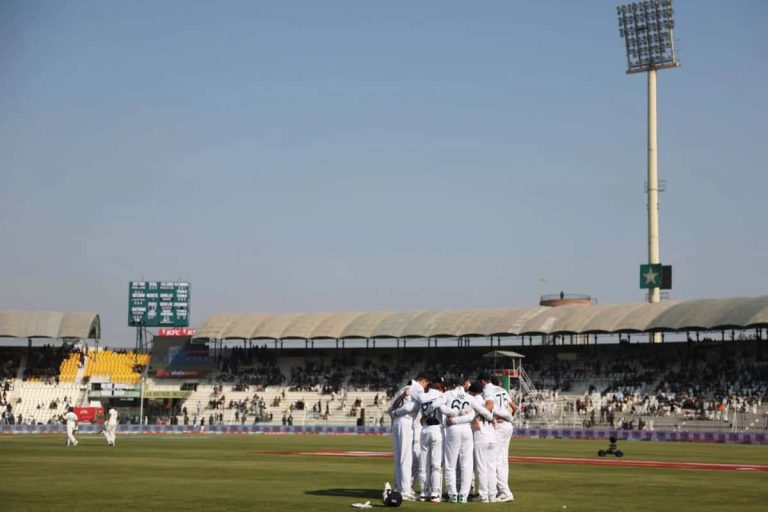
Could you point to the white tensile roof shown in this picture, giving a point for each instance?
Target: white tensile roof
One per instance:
(704, 314)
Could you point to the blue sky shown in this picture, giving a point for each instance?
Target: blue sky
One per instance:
(347, 155)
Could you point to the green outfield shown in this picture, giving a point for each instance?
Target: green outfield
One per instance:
(232, 473)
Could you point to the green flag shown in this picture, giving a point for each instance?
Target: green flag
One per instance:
(650, 276)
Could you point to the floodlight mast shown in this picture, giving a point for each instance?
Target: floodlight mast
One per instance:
(647, 28)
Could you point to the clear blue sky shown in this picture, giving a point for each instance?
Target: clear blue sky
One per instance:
(348, 155)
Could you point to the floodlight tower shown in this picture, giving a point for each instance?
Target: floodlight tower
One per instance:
(647, 29)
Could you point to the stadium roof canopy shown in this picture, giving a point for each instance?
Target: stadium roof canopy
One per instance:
(504, 353)
(49, 324)
(667, 316)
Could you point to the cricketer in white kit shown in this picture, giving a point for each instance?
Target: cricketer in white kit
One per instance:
(431, 457)
(110, 427)
(502, 401)
(403, 411)
(457, 413)
(486, 444)
(71, 419)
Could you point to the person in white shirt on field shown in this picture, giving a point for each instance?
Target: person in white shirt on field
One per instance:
(431, 458)
(500, 400)
(403, 411)
(457, 414)
(110, 427)
(71, 419)
(486, 443)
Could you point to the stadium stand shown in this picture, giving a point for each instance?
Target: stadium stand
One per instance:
(40, 402)
(120, 367)
(706, 385)
(44, 363)
(624, 386)
(70, 367)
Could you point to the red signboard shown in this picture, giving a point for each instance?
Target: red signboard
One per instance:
(89, 414)
(180, 331)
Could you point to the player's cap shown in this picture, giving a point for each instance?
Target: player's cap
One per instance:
(484, 376)
(495, 380)
(422, 376)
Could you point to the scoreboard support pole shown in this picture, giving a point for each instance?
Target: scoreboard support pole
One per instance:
(141, 339)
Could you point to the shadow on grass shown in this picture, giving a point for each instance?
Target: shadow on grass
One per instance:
(367, 494)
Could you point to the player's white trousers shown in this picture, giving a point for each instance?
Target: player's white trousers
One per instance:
(416, 450)
(109, 433)
(402, 446)
(71, 436)
(503, 435)
(486, 454)
(458, 453)
(431, 461)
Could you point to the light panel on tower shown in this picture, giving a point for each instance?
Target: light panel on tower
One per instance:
(647, 28)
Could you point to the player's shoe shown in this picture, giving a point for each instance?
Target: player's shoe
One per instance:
(453, 498)
(479, 499)
(505, 497)
(409, 497)
(462, 498)
(422, 497)
(435, 499)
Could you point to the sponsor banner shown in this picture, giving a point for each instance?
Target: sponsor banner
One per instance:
(597, 434)
(89, 414)
(164, 373)
(180, 331)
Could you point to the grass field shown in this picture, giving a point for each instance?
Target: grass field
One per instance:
(231, 473)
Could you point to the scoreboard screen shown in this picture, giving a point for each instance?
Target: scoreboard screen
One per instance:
(158, 304)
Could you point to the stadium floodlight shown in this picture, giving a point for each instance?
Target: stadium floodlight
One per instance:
(647, 29)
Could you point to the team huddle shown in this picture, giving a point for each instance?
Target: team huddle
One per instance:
(452, 433)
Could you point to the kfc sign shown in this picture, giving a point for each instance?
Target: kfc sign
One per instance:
(183, 331)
